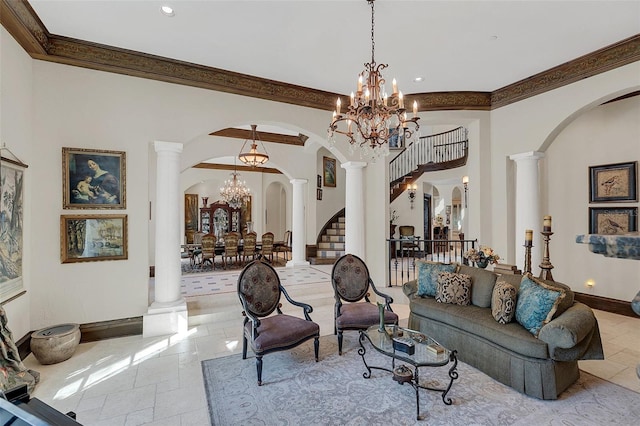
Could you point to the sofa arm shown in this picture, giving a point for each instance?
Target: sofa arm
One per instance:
(577, 324)
(410, 288)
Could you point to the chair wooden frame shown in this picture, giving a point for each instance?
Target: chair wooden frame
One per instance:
(259, 299)
(358, 315)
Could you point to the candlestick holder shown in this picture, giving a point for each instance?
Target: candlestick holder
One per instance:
(546, 265)
(527, 256)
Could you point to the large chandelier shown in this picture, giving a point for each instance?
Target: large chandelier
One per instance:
(234, 191)
(373, 119)
(253, 158)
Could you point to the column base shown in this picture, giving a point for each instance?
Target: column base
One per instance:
(165, 318)
(294, 263)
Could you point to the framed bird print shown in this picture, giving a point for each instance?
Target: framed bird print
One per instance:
(613, 220)
(613, 182)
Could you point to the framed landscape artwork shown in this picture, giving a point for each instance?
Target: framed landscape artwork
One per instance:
(89, 238)
(190, 216)
(613, 182)
(613, 220)
(93, 179)
(329, 171)
(11, 223)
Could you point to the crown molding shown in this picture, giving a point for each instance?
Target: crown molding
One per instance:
(25, 26)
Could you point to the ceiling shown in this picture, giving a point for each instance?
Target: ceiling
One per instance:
(454, 45)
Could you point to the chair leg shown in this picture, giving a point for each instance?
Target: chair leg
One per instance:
(259, 368)
(244, 346)
(316, 346)
(340, 342)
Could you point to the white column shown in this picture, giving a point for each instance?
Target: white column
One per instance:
(168, 312)
(354, 241)
(298, 234)
(528, 203)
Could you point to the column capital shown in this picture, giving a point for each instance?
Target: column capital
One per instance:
(353, 165)
(531, 155)
(168, 146)
(299, 181)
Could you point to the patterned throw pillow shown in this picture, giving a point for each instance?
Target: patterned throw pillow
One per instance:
(503, 302)
(537, 302)
(454, 288)
(428, 276)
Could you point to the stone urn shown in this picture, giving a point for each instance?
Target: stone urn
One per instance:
(55, 344)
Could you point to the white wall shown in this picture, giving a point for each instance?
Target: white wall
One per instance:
(16, 116)
(607, 134)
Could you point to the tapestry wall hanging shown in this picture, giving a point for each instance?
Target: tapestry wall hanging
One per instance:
(11, 228)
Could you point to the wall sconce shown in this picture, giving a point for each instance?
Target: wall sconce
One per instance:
(465, 182)
(412, 192)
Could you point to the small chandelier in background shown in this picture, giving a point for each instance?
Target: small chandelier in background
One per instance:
(253, 158)
(234, 191)
(373, 119)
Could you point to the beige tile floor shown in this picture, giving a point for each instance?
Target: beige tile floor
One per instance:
(158, 381)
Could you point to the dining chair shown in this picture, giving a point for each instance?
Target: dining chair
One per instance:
(208, 251)
(196, 252)
(267, 246)
(249, 247)
(407, 243)
(353, 309)
(259, 290)
(230, 248)
(283, 246)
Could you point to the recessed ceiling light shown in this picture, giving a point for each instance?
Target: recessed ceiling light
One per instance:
(418, 79)
(167, 10)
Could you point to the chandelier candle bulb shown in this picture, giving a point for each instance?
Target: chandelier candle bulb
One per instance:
(415, 108)
(360, 84)
(401, 100)
(338, 104)
(546, 224)
(353, 99)
(395, 86)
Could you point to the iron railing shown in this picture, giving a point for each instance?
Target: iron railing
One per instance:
(403, 253)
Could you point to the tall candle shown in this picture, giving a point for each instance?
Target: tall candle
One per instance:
(528, 235)
(546, 224)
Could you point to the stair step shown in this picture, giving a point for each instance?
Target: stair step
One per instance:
(330, 253)
(335, 231)
(341, 219)
(331, 245)
(338, 225)
(332, 238)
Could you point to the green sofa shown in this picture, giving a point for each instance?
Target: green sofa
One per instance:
(541, 367)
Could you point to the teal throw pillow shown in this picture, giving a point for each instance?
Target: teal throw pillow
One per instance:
(537, 302)
(428, 276)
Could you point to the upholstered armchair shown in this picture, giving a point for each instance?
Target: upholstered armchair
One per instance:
(353, 309)
(259, 290)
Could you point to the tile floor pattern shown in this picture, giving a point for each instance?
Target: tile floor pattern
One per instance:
(158, 380)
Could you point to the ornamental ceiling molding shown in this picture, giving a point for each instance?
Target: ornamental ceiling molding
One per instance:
(25, 26)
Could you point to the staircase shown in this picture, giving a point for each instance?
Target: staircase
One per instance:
(330, 245)
(446, 150)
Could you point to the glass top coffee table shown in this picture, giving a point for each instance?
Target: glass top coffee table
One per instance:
(414, 348)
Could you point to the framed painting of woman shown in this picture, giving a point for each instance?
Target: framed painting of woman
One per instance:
(93, 179)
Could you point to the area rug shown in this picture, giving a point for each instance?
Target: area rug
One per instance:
(227, 282)
(296, 391)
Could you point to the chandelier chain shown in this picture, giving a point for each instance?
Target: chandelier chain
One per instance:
(373, 40)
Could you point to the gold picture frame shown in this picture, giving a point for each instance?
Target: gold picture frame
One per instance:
(93, 179)
(329, 171)
(90, 238)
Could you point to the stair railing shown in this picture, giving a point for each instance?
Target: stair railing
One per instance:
(439, 148)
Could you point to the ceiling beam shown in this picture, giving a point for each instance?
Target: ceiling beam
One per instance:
(263, 136)
(238, 168)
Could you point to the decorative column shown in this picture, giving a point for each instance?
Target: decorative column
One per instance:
(354, 242)
(168, 312)
(298, 234)
(527, 203)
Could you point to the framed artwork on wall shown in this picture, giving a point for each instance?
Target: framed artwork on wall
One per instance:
(319, 179)
(11, 237)
(93, 179)
(90, 238)
(329, 171)
(190, 216)
(613, 182)
(319, 194)
(613, 220)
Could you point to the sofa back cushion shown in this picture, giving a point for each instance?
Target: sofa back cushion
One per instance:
(428, 275)
(482, 282)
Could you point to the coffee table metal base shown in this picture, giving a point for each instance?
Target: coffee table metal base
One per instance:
(414, 381)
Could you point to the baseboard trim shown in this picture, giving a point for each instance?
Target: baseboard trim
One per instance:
(614, 306)
(92, 332)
